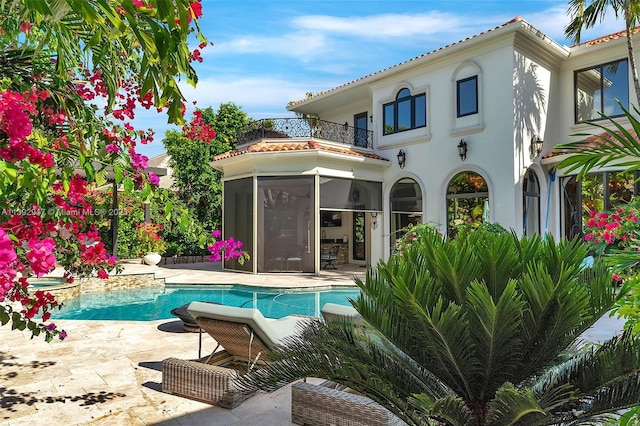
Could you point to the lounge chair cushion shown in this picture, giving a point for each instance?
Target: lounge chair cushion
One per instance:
(332, 311)
(269, 332)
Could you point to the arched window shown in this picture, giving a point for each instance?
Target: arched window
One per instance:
(530, 204)
(406, 207)
(405, 113)
(467, 202)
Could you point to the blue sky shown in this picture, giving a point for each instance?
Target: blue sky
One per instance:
(267, 53)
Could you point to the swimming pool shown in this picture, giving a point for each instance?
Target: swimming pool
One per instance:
(146, 304)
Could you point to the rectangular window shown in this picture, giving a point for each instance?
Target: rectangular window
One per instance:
(420, 111)
(404, 115)
(467, 96)
(389, 118)
(597, 89)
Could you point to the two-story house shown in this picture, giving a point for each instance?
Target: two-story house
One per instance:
(454, 137)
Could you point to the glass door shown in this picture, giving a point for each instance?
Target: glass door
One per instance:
(359, 236)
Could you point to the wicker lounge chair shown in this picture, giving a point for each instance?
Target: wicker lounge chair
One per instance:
(246, 337)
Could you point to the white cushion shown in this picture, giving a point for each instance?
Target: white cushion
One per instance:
(332, 311)
(267, 331)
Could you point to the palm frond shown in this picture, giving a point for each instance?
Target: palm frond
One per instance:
(603, 379)
(363, 361)
(512, 406)
(616, 145)
(495, 330)
(450, 410)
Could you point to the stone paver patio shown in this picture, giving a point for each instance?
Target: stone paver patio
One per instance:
(109, 372)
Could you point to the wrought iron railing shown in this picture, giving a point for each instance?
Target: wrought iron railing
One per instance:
(288, 128)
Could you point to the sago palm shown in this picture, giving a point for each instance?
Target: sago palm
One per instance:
(480, 330)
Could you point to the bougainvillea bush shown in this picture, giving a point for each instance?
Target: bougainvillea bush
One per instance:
(60, 60)
(608, 231)
(616, 237)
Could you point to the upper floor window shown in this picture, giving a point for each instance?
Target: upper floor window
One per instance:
(467, 96)
(405, 113)
(597, 88)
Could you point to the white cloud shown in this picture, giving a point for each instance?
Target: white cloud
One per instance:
(260, 97)
(383, 25)
(296, 44)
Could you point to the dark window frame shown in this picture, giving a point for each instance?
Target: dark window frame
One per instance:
(602, 97)
(459, 96)
(412, 113)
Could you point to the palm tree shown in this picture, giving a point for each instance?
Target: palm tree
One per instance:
(585, 14)
(480, 330)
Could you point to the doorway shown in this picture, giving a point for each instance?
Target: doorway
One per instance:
(359, 236)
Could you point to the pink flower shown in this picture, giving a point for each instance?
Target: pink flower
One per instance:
(112, 147)
(139, 161)
(217, 233)
(153, 178)
(7, 252)
(41, 256)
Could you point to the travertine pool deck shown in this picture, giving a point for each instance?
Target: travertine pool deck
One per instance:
(109, 372)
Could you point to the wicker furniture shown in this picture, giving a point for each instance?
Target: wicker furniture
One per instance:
(320, 405)
(203, 382)
(246, 337)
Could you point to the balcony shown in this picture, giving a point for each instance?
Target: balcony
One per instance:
(290, 128)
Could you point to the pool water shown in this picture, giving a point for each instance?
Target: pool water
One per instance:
(148, 304)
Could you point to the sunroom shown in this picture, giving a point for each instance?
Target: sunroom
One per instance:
(291, 190)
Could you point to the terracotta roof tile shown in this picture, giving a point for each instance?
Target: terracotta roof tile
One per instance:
(606, 38)
(263, 146)
(591, 142)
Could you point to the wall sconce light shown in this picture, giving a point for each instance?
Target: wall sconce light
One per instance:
(374, 220)
(371, 118)
(535, 148)
(346, 126)
(462, 149)
(401, 159)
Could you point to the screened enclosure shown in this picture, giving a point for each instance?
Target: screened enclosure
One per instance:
(281, 235)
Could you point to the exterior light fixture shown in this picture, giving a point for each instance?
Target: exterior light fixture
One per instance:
(401, 159)
(535, 148)
(462, 149)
